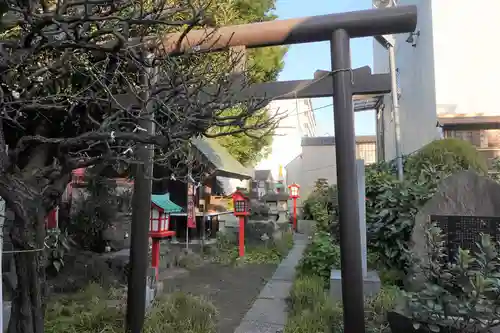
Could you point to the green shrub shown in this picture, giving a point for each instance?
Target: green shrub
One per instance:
(270, 252)
(90, 312)
(311, 310)
(322, 193)
(320, 320)
(320, 256)
(376, 309)
(94, 213)
(391, 205)
(390, 214)
(324, 219)
(452, 153)
(181, 313)
(307, 292)
(84, 312)
(463, 293)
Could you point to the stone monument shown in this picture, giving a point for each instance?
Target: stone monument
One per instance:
(371, 279)
(464, 194)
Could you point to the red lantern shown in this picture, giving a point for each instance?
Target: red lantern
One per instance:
(294, 194)
(294, 191)
(159, 223)
(241, 209)
(240, 204)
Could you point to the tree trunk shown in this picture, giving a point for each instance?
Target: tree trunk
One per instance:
(28, 235)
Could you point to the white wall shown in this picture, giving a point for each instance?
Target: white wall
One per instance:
(416, 85)
(230, 185)
(467, 55)
(416, 82)
(317, 162)
(452, 69)
(298, 121)
(294, 173)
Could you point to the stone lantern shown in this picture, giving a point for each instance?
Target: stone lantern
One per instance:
(278, 205)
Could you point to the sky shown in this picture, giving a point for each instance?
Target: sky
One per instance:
(303, 60)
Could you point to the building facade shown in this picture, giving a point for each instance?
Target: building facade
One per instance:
(262, 183)
(297, 121)
(447, 68)
(318, 160)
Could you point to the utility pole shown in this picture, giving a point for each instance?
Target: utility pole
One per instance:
(141, 210)
(389, 42)
(395, 110)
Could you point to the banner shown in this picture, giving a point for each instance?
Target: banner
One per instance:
(191, 211)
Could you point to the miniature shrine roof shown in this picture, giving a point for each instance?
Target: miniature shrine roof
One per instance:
(263, 175)
(225, 165)
(163, 201)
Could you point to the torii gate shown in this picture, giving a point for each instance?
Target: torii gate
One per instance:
(338, 29)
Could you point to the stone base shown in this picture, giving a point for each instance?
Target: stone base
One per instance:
(371, 284)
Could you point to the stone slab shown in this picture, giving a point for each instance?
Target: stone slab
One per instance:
(276, 290)
(284, 273)
(371, 284)
(290, 261)
(306, 227)
(257, 327)
(269, 311)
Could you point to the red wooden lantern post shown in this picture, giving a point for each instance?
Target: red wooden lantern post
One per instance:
(158, 230)
(241, 210)
(294, 194)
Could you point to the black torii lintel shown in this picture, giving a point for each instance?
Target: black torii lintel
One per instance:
(365, 83)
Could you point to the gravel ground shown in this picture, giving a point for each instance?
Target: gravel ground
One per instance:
(231, 289)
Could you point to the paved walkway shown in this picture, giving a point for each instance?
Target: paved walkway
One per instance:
(231, 289)
(269, 311)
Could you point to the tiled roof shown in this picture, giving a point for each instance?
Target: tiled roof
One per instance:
(163, 201)
(262, 174)
(225, 164)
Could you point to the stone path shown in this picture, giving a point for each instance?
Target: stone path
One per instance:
(268, 313)
(231, 289)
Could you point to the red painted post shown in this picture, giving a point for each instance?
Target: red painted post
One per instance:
(295, 214)
(242, 236)
(155, 255)
(294, 194)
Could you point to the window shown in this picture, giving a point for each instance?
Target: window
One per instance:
(367, 152)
